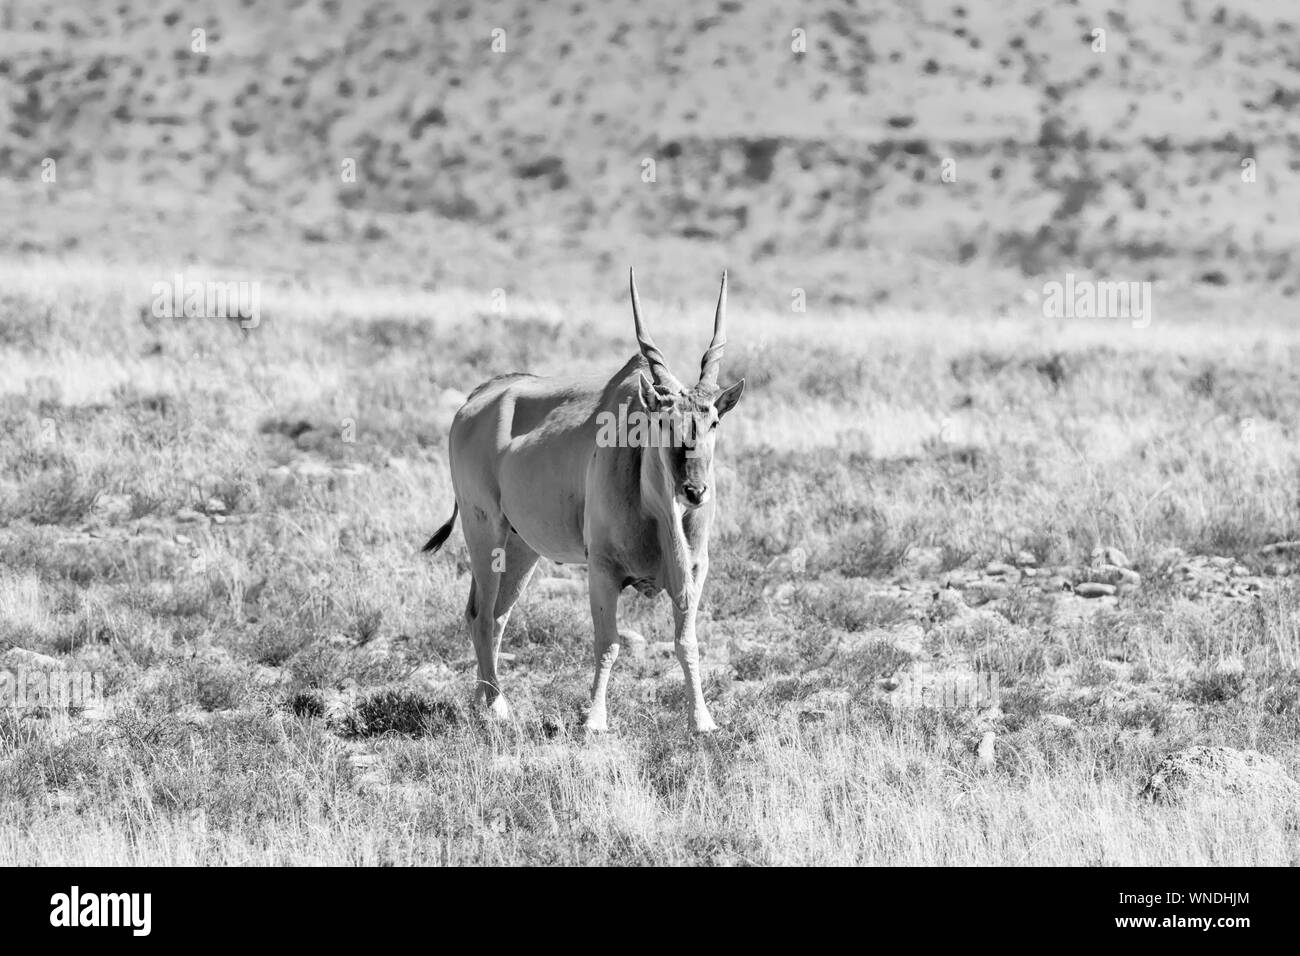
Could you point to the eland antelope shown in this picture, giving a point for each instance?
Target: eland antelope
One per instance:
(537, 472)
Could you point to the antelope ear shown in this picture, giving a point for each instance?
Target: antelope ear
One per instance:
(728, 398)
(651, 397)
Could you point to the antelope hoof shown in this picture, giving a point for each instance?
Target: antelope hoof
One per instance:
(498, 712)
(703, 724)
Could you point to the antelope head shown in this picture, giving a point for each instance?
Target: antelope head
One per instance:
(684, 421)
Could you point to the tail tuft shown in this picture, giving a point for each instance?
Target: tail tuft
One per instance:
(442, 534)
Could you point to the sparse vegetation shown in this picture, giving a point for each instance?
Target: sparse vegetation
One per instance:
(291, 673)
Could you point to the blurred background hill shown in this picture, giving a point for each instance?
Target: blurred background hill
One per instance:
(525, 166)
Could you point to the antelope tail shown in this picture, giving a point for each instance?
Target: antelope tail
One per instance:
(442, 534)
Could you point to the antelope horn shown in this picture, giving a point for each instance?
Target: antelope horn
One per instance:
(713, 354)
(658, 366)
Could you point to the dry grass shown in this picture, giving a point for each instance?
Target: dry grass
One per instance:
(182, 511)
(864, 789)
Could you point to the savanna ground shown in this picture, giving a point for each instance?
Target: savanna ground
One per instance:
(225, 523)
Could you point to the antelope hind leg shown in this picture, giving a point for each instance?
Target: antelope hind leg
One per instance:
(486, 537)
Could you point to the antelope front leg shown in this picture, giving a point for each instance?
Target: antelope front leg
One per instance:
(604, 618)
(688, 655)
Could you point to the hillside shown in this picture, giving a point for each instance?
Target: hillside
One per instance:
(524, 167)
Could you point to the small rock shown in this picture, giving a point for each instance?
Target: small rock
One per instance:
(783, 593)
(1230, 667)
(193, 717)
(1025, 559)
(18, 658)
(113, 507)
(633, 642)
(431, 676)
(998, 568)
(1129, 578)
(822, 704)
(1222, 770)
(909, 638)
(1057, 721)
(959, 578)
(362, 761)
(61, 799)
(339, 705)
(268, 676)
(982, 592)
(794, 562)
(1110, 556)
(189, 516)
(1282, 547)
(1094, 589)
(948, 605)
(311, 470)
(377, 648)
(1071, 573)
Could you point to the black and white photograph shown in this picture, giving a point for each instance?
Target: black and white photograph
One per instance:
(731, 433)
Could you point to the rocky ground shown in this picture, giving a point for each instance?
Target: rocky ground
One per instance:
(925, 638)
